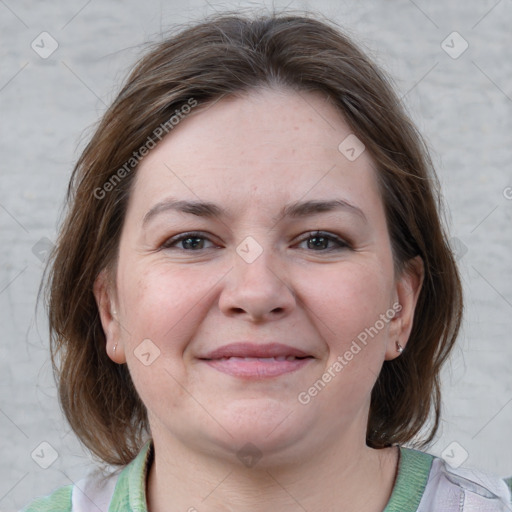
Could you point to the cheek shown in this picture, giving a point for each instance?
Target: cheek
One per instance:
(349, 302)
(166, 304)
(163, 306)
(348, 317)
(154, 303)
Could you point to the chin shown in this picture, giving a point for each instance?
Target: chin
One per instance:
(259, 428)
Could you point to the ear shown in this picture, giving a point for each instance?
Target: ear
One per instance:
(408, 287)
(107, 308)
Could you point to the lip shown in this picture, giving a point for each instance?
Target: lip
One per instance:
(257, 361)
(246, 349)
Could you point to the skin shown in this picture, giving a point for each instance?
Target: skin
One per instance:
(252, 155)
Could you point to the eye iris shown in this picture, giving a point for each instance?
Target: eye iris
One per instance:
(317, 244)
(194, 244)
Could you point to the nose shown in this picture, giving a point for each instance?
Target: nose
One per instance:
(257, 290)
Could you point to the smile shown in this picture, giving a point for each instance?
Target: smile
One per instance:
(260, 367)
(257, 361)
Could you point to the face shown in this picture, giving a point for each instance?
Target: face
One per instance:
(257, 318)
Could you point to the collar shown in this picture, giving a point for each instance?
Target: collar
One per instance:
(130, 490)
(412, 476)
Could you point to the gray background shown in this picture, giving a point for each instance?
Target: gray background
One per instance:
(462, 105)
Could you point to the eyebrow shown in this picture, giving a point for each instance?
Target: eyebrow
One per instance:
(293, 210)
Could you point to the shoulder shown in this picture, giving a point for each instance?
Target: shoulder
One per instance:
(102, 490)
(94, 492)
(58, 501)
(463, 490)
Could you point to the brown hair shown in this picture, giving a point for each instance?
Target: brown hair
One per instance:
(230, 54)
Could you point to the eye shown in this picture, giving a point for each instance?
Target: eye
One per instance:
(319, 240)
(192, 241)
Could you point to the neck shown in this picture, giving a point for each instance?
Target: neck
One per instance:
(347, 476)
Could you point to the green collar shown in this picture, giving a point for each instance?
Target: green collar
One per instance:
(130, 490)
(413, 472)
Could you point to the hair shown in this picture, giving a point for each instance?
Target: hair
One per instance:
(224, 55)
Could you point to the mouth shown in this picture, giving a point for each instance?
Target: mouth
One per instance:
(257, 361)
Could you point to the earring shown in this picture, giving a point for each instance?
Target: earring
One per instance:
(399, 348)
(114, 350)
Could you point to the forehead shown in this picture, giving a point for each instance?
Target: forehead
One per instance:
(267, 146)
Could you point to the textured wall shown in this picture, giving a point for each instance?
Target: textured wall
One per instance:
(459, 92)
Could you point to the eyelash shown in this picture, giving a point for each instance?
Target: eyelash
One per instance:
(342, 244)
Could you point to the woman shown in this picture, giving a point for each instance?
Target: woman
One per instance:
(252, 294)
